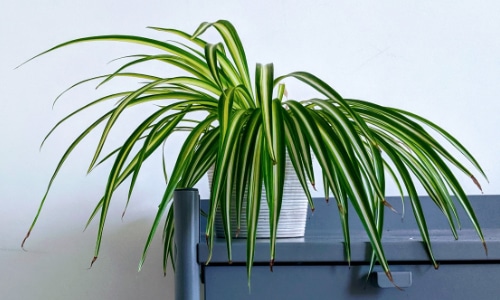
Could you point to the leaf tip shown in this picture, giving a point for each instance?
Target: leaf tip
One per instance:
(341, 208)
(476, 182)
(24, 240)
(93, 261)
(391, 279)
(387, 204)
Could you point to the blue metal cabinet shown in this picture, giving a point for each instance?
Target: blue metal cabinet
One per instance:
(299, 282)
(314, 267)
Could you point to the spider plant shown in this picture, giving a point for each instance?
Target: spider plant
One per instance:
(247, 127)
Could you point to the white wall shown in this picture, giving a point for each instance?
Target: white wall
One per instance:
(440, 59)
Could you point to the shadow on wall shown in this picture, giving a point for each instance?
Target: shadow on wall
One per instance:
(57, 267)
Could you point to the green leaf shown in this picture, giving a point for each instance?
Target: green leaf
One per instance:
(235, 47)
(309, 127)
(248, 144)
(294, 147)
(264, 90)
(275, 173)
(224, 166)
(185, 155)
(253, 202)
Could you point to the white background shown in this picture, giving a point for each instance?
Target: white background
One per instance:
(440, 59)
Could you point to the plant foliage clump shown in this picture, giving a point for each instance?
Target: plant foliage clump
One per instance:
(247, 127)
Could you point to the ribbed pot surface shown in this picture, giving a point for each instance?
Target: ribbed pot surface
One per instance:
(292, 222)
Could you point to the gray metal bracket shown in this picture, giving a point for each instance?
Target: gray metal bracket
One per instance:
(186, 237)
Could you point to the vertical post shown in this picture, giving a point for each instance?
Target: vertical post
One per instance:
(187, 234)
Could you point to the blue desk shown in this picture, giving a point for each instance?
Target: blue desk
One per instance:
(314, 267)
